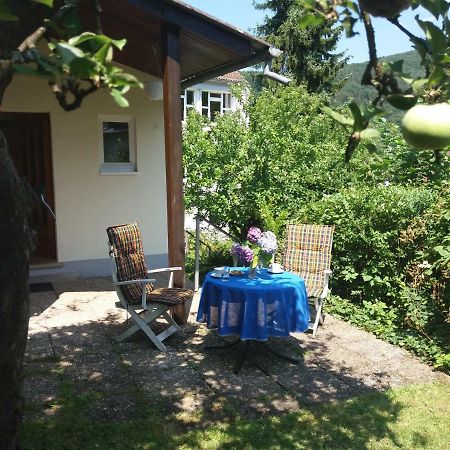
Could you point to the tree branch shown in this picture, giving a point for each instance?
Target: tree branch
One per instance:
(394, 21)
(32, 39)
(62, 92)
(373, 57)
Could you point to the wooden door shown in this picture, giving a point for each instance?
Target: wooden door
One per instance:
(28, 136)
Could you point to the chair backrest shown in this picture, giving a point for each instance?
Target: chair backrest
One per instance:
(307, 252)
(128, 254)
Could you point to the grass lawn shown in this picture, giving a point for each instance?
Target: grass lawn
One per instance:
(412, 417)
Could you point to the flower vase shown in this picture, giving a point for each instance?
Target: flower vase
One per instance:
(253, 269)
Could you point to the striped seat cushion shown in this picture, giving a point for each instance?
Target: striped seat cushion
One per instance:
(126, 243)
(307, 253)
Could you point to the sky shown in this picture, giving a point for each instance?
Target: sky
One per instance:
(242, 14)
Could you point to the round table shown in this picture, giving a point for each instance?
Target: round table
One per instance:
(255, 309)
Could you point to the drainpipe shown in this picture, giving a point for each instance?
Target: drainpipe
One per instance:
(274, 52)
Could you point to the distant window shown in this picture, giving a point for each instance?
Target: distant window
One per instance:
(187, 101)
(214, 103)
(117, 144)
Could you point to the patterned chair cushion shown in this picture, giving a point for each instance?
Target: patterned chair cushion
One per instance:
(126, 243)
(308, 253)
(170, 296)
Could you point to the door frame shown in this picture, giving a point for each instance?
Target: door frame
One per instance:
(47, 161)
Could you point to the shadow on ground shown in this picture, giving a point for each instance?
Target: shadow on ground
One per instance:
(81, 386)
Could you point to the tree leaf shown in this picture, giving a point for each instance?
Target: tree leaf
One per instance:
(436, 7)
(435, 37)
(369, 134)
(370, 111)
(102, 54)
(418, 85)
(401, 101)
(48, 3)
(119, 43)
(119, 98)
(348, 23)
(126, 79)
(68, 52)
(396, 66)
(83, 67)
(340, 118)
(89, 36)
(358, 121)
(436, 76)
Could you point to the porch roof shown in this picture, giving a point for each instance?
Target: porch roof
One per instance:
(208, 46)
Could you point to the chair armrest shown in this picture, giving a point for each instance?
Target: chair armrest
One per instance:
(325, 291)
(142, 281)
(164, 269)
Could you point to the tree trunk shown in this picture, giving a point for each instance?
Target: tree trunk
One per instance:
(16, 242)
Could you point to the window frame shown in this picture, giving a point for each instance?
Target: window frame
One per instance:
(118, 168)
(220, 100)
(186, 105)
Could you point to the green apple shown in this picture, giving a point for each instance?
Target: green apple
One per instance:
(427, 126)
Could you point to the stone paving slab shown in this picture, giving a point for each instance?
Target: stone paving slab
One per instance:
(71, 343)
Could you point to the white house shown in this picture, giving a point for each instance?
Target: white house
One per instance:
(213, 97)
(103, 165)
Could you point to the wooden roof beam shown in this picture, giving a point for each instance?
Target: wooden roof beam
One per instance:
(256, 58)
(203, 25)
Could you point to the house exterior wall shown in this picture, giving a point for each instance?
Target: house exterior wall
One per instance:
(86, 201)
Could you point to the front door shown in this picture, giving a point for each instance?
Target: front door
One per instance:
(28, 136)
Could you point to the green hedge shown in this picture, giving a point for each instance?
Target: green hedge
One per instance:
(389, 263)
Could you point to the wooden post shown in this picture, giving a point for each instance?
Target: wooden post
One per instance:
(174, 157)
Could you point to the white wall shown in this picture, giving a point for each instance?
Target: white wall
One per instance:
(86, 203)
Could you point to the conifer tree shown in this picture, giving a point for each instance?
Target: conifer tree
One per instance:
(308, 54)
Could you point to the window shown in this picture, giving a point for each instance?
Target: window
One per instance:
(117, 145)
(214, 103)
(187, 101)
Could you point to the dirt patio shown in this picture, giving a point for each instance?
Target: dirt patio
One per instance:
(71, 343)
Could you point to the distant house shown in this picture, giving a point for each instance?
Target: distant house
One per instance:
(212, 97)
(103, 165)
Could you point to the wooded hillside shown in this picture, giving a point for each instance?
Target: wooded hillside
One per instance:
(352, 89)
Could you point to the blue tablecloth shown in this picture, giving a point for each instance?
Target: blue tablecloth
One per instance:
(269, 305)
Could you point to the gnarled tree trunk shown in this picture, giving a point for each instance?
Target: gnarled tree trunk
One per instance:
(16, 243)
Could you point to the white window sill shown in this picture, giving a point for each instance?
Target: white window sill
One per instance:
(112, 172)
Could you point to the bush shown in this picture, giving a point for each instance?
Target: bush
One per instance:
(382, 237)
(368, 220)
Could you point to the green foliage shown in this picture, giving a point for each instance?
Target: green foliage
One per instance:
(368, 222)
(240, 174)
(388, 265)
(75, 63)
(389, 79)
(390, 207)
(308, 54)
(214, 252)
(352, 74)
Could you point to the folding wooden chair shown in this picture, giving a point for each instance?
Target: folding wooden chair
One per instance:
(135, 289)
(307, 253)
